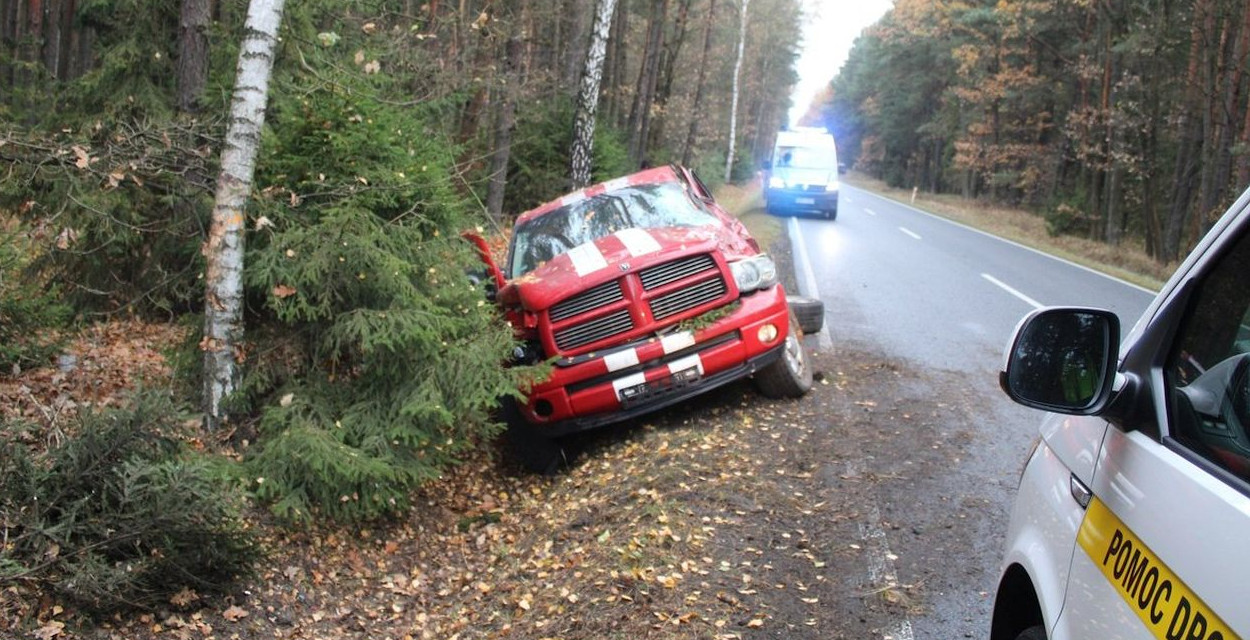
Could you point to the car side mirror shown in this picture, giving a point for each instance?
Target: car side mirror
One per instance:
(1063, 360)
(768, 165)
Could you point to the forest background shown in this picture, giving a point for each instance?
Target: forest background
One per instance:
(370, 363)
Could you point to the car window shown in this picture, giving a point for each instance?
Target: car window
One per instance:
(1208, 371)
(648, 206)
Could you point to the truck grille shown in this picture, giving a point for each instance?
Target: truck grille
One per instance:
(616, 309)
(600, 296)
(678, 301)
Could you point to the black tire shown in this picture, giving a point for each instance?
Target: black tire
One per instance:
(536, 452)
(832, 214)
(1032, 633)
(810, 313)
(789, 376)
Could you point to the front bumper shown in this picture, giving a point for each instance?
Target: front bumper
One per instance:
(801, 200)
(623, 382)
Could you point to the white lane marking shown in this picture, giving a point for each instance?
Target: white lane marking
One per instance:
(870, 212)
(807, 282)
(913, 234)
(881, 573)
(1010, 242)
(1005, 287)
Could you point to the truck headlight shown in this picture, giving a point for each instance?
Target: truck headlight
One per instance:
(775, 182)
(752, 274)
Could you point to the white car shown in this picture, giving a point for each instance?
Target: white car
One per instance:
(1133, 513)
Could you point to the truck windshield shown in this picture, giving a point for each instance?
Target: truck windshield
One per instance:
(806, 158)
(645, 206)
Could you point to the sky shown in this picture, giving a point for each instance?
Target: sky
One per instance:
(830, 29)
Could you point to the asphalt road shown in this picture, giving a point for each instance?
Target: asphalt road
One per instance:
(939, 301)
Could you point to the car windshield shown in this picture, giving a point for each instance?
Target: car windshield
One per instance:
(806, 158)
(645, 206)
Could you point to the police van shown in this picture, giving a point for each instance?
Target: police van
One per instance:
(802, 173)
(1133, 513)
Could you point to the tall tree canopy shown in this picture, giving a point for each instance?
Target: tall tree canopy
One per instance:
(1117, 120)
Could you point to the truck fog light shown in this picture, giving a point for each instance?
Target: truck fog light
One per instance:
(767, 333)
(543, 409)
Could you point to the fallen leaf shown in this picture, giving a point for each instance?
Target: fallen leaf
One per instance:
(234, 613)
(50, 630)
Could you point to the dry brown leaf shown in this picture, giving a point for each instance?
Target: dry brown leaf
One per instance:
(234, 613)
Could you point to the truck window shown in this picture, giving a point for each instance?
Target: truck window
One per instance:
(1208, 371)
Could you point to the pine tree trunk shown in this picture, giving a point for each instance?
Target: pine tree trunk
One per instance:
(193, 26)
(733, 109)
(505, 123)
(640, 111)
(692, 134)
(223, 303)
(588, 97)
(577, 10)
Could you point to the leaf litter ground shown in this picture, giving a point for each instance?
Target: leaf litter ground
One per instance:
(730, 516)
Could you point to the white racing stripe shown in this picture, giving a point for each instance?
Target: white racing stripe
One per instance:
(587, 259)
(621, 359)
(631, 380)
(675, 342)
(639, 242)
(692, 361)
(613, 185)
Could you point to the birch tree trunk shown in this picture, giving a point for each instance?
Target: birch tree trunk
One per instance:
(733, 109)
(588, 96)
(223, 299)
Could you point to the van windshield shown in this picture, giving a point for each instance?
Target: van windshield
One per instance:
(806, 158)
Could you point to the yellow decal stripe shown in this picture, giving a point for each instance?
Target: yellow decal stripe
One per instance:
(1165, 605)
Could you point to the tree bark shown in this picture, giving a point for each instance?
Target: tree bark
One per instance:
(733, 109)
(505, 123)
(223, 300)
(644, 93)
(193, 25)
(692, 134)
(588, 97)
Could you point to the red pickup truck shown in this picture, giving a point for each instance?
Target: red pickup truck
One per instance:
(641, 292)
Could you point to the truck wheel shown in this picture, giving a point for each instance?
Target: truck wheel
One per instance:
(810, 313)
(536, 452)
(789, 376)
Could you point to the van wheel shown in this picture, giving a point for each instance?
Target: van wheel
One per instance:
(1032, 633)
(789, 376)
(832, 214)
(536, 452)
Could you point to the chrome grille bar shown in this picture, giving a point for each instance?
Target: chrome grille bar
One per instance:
(594, 330)
(684, 299)
(669, 272)
(600, 296)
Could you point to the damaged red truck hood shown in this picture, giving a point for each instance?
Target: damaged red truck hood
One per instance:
(611, 256)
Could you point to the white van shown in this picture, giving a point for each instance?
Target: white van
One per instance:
(802, 174)
(1133, 513)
